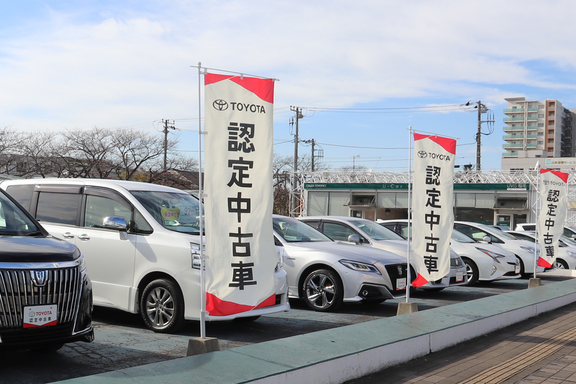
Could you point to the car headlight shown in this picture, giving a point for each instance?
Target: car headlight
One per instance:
(195, 251)
(571, 253)
(81, 263)
(280, 263)
(530, 249)
(360, 267)
(493, 255)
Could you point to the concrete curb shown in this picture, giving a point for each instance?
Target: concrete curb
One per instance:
(340, 354)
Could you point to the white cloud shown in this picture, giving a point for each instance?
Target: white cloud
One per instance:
(129, 62)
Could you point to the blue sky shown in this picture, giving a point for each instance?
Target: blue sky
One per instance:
(84, 64)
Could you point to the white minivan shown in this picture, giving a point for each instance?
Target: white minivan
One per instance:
(138, 260)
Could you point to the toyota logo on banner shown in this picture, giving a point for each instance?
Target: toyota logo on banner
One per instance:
(422, 154)
(220, 105)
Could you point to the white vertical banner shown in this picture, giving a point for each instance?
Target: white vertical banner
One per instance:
(553, 206)
(432, 201)
(240, 251)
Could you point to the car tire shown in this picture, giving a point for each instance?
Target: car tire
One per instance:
(322, 290)
(472, 273)
(522, 270)
(162, 306)
(560, 264)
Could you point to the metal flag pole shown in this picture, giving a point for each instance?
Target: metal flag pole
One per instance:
(408, 273)
(538, 202)
(200, 211)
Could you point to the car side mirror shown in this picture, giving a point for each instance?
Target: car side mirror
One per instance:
(115, 222)
(487, 239)
(354, 239)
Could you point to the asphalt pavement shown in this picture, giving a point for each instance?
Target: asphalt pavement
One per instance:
(541, 349)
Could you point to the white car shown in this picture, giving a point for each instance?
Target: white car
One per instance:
(484, 262)
(525, 250)
(140, 242)
(326, 274)
(370, 234)
(531, 227)
(566, 258)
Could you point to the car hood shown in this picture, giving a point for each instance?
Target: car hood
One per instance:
(343, 251)
(399, 247)
(36, 249)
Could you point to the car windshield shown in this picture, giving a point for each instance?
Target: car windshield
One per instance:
(568, 240)
(375, 230)
(461, 238)
(13, 221)
(175, 211)
(496, 232)
(295, 231)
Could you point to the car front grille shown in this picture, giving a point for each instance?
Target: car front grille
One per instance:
(20, 288)
(396, 271)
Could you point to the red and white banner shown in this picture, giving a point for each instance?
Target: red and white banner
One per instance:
(238, 153)
(432, 200)
(553, 206)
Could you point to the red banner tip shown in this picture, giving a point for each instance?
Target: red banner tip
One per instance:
(544, 263)
(419, 281)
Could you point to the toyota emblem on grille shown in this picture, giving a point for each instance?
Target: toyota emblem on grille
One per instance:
(399, 270)
(39, 278)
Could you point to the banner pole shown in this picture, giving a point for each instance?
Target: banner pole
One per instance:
(200, 212)
(538, 202)
(408, 274)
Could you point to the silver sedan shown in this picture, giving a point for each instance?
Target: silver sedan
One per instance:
(326, 274)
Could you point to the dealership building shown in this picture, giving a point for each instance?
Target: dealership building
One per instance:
(494, 197)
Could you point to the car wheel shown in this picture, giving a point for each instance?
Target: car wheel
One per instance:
(472, 273)
(522, 271)
(323, 290)
(162, 306)
(560, 264)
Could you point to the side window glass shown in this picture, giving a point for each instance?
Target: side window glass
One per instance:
(22, 194)
(140, 223)
(98, 208)
(61, 208)
(339, 232)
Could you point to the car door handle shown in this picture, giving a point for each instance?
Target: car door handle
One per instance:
(84, 237)
(68, 235)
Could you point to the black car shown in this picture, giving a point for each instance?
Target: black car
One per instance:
(45, 292)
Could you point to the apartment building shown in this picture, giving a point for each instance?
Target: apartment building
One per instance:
(538, 132)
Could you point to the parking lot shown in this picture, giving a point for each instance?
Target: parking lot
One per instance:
(123, 341)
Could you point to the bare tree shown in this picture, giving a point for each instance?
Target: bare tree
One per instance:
(10, 142)
(37, 152)
(87, 153)
(133, 149)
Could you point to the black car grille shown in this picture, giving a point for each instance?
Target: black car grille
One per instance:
(396, 271)
(62, 287)
(36, 335)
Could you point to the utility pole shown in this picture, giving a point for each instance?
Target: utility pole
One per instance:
(314, 150)
(166, 126)
(295, 120)
(354, 162)
(479, 136)
(490, 119)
